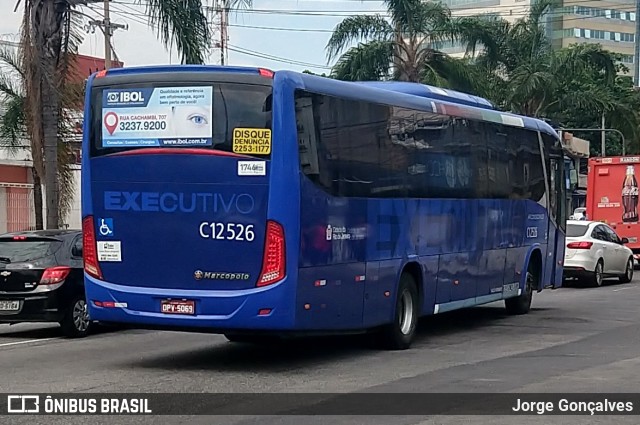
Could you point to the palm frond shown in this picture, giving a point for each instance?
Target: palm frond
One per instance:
(12, 124)
(416, 16)
(10, 58)
(539, 8)
(530, 87)
(370, 61)
(446, 71)
(358, 28)
(181, 23)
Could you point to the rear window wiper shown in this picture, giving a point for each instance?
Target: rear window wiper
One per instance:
(5, 259)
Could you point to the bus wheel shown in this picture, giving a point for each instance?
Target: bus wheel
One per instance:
(522, 303)
(400, 334)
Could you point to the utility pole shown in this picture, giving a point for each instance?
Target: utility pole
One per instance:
(224, 23)
(218, 14)
(636, 56)
(107, 28)
(107, 36)
(603, 138)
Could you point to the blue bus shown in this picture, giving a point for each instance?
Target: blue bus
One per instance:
(248, 202)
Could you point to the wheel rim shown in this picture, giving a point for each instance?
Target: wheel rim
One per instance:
(80, 316)
(406, 313)
(629, 269)
(599, 274)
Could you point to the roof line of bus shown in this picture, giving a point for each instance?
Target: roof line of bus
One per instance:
(334, 87)
(147, 69)
(344, 88)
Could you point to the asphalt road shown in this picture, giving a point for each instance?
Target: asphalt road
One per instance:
(573, 340)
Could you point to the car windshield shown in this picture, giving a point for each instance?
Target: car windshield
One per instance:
(576, 230)
(21, 251)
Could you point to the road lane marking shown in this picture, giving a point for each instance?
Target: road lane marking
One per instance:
(8, 344)
(621, 289)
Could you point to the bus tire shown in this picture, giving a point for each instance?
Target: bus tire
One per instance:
(522, 303)
(401, 333)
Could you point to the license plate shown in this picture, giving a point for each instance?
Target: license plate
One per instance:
(9, 305)
(178, 307)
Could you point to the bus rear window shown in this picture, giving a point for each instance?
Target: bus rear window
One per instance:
(229, 117)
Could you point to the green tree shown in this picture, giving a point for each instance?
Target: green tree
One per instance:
(404, 47)
(50, 36)
(520, 70)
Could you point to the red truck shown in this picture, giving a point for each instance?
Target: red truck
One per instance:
(612, 196)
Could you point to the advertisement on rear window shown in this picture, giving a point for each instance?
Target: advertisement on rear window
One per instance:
(161, 116)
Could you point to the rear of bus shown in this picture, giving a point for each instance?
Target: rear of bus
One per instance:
(176, 200)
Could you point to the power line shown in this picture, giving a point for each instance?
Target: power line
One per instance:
(261, 55)
(349, 12)
(137, 17)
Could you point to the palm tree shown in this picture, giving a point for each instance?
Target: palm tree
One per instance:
(13, 121)
(521, 66)
(50, 37)
(520, 70)
(14, 132)
(404, 46)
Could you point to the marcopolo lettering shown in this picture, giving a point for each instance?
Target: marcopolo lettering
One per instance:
(225, 276)
(171, 202)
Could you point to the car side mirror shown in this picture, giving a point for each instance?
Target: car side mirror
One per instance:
(76, 252)
(624, 241)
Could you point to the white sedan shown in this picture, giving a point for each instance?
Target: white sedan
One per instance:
(594, 251)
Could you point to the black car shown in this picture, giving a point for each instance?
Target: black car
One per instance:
(42, 279)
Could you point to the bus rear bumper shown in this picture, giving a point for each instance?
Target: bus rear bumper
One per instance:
(267, 308)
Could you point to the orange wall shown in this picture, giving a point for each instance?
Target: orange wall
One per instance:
(14, 174)
(83, 66)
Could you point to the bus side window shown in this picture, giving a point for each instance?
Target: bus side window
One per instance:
(307, 136)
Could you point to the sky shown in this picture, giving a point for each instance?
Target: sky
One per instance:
(257, 37)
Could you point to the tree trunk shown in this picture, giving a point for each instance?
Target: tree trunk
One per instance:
(50, 108)
(37, 198)
(46, 33)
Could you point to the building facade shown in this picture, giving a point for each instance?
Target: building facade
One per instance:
(609, 23)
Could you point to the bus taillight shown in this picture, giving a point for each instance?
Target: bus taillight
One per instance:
(266, 73)
(89, 251)
(273, 262)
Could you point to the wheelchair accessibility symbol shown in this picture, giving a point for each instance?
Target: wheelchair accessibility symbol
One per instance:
(106, 227)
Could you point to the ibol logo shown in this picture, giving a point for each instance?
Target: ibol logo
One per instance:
(134, 96)
(23, 404)
(125, 97)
